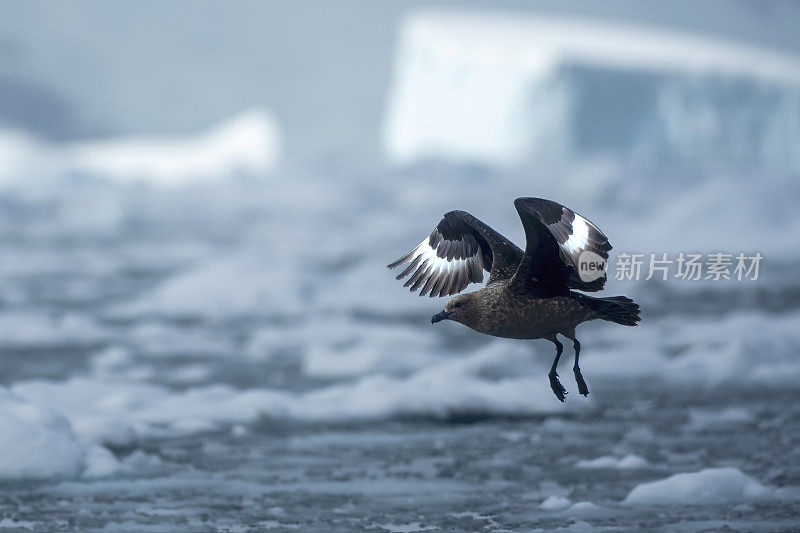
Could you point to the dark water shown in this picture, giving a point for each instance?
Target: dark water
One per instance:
(465, 475)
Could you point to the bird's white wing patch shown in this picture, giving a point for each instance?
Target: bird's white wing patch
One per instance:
(445, 268)
(573, 234)
(579, 239)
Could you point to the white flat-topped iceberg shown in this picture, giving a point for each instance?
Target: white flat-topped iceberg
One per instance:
(494, 89)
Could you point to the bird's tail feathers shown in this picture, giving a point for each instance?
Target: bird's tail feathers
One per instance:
(617, 309)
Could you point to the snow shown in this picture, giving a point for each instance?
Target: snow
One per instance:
(585, 509)
(709, 486)
(247, 144)
(38, 444)
(739, 348)
(489, 88)
(555, 503)
(221, 287)
(340, 349)
(628, 462)
(118, 412)
(10, 523)
(579, 526)
(300, 296)
(713, 419)
(28, 329)
(407, 528)
(175, 339)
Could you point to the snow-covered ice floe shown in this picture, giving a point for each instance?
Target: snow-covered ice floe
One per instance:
(629, 461)
(489, 88)
(20, 329)
(709, 486)
(247, 144)
(555, 503)
(119, 412)
(739, 349)
(38, 443)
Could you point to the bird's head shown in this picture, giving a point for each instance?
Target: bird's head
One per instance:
(462, 309)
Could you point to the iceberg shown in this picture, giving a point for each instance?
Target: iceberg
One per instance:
(490, 89)
(247, 144)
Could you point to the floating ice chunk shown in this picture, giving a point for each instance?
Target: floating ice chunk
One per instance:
(103, 430)
(709, 486)
(266, 342)
(407, 528)
(630, 461)
(16, 525)
(738, 349)
(275, 524)
(224, 287)
(705, 419)
(579, 526)
(99, 409)
(38, 330)
(585, 508)
(239, 431)
(451, 388)
(727, 352)
(339, 348)
(555, 503)
(38, 443)
(111, 360)
(21, 153)
(247, 144)
(118, 411)
(158, 339)
(99, 462)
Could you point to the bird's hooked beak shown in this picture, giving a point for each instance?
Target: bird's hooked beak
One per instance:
(438, 317)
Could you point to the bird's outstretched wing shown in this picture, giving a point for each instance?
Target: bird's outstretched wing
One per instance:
(455, 254)
(556, 237)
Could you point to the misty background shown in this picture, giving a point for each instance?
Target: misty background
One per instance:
(323, 69)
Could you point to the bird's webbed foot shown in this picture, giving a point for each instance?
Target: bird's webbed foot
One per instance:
(582, 388)
(558, 388)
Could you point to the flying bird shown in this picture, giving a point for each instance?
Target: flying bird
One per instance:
(529, 294)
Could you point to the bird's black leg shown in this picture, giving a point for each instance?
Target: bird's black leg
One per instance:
(582, 388)
(555, 384)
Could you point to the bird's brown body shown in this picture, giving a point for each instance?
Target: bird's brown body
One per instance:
(504, 313)
(528, 294)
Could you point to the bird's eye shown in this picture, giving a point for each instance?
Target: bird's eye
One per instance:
(458, 304)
